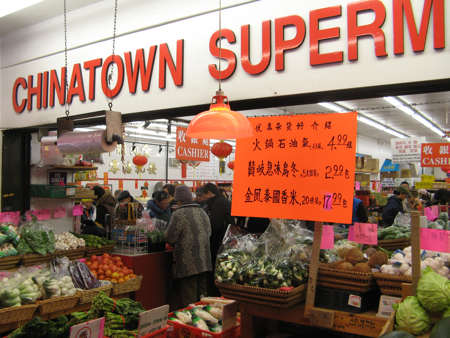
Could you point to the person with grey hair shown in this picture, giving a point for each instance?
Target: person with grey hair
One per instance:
(188, 232)
(117, 193)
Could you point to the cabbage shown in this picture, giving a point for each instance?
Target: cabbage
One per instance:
(446, 313)
(412, 317)
(433, 291)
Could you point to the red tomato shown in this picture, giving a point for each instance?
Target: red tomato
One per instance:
(101, 277)
(94, 273)
(125, 272)
(105, 267)
(130, 271)
(108, 273)
(113, 268)
(119, 264)
(117, 259)
(100, 271)
(93, 258)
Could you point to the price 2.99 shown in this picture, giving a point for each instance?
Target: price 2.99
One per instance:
(336, 171)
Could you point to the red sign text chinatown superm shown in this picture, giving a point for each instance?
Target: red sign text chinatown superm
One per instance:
(48, 83)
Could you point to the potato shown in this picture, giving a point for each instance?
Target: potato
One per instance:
(335, 265)
(345, 266)
(354, 256)
(369, 252)
(362, 267)
(378, 258)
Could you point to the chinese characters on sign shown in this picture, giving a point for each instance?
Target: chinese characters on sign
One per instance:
(435, 240)
(435, 154)
(297, 167)
(365, 233)
(191, 148)
(406, 150)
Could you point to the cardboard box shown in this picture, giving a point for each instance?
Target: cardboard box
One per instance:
(393, 174)
(359, 162)
(385, 308)
(365, 178)
(405, 173)
(372, 164)
(358, 178)
(384, 175)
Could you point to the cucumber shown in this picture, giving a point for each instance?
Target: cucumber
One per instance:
(398, 334)
(441, 329)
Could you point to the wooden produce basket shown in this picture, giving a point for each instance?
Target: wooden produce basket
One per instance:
(72, 254)
(391, 285)
(17, 313)
(269, 297)
(33, 259)
(9, 262)
(86, 296)
(345, 280)
(96, 251)
(394, 244)
(130, 285)
(58, 304)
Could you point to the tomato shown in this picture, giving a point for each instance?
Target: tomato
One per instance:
(119, 264)
(121, 280)
(115, 275)
(105, 267)
(121, 275)
(113, 268)
(93, 258)
(113, 280)
(101, 277)
(126, 278)
(130, 271)
(100, 271)
(88, 263)
(94, 273)
(108, 273)
(125, 272)
(116, 259)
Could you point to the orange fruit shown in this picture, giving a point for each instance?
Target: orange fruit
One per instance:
(115, 275)
(130, 271)
(113, 280)
(88, 263)
(121, 280)
(108, 273)
(101, 277)
(121, 275)
(126, 278)
(93, 258)
(108, 279)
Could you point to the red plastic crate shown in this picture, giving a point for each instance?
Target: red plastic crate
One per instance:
(162, 333)
(178, 330)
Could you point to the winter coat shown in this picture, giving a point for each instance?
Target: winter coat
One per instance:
(105, 205)
(156, 212)
(220, 216)
(393, 207)
(188, 232)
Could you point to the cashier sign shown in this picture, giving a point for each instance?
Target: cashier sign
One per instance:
(297, 167)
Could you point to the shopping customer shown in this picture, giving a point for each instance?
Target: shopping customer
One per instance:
(105, 205)
(170, 189)
(125, 197)
(411, 203)
(395, 205)
(89, 212)
(199, 197)
(188, 232)
(159, 207)
(359, 213)
(117, 193)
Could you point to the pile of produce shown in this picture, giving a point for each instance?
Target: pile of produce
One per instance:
(156, 231)
(121, 316)
(278, 258)
(204, 317)
(67, 241)
(82, 277)
(354, 260)
(441, 223)
(9, 239)
(93, 241)
(37, 328)
(433, 295)
(38, 238)
(110, 268)
(156, 237)
(394, 232)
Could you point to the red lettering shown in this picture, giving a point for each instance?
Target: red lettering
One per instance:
(418, 38)
(374, 29)
(20, 81)
(76, 86)
(225, 54)
(34, 91)
(116, 90)
(266, 46)
(139, 68)
(166, 58)
(281, 45)
(316, 34)
(91, 65)
(56, 86)
(45, 91)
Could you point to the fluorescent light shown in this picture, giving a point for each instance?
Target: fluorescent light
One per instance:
(423, 120)
(150, 138)
(333, 107)
(400, 105)
(371, 123)
(8, 6)
(437, 131)
(395, 133)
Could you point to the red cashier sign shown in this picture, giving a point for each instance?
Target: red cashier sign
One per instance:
(191, 148)
(435, 154)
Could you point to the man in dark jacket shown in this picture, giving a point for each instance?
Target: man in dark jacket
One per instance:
(105, 204)
(395, 205)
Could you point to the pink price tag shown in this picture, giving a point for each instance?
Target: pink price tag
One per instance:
(12, 216)
(328, 201)
(435, 240)
(435, 209)
(431, 216)
(78, 210)
(357, 185)
(351, 233)
(366, 233)
(327, 241)
(42, 214)
(60, 212)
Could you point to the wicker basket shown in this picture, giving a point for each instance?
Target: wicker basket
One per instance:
(394, 244)
(345, 280)
(130, 285)
(86, 296)
(269, 297)
(391, 284)
(335, 285)
(72, 254)
(58, 304)
(17, 313)
(33, 259)
(96, 251)
(391, 291)
(9, 262)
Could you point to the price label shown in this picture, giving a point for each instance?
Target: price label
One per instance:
(78, 210)
(91, 329)
(357, 185)
(435, 240)
(431, 216)
(327, 241)
(42, 214)
(13, 217)
(351, 233)
(327, 201)
(153, 320)
(366, 233)
(60, 212)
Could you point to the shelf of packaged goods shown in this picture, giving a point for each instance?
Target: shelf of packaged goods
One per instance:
(78, 307)
(74, 168)
(367, 171)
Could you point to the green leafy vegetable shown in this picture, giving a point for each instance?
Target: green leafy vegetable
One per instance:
(433, 291)
(412, 317)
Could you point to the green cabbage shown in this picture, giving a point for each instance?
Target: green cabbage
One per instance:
(446, 313)
(433, 291)
(412, 317)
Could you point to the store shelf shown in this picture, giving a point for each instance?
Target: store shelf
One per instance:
(75, 168)
(375, 207)
(83, 197)
(367, 171)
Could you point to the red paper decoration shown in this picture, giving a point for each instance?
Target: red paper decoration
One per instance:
(231, 165)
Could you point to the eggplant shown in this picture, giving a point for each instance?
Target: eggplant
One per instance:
(76, 277)
(89, 280)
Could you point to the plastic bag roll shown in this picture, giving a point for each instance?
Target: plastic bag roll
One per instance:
(48, 140)
(85, 142)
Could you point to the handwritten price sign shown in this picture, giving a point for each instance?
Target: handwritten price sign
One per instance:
(366, 233)
(78, 210)
(60, 212)
(351, 233)
(13, 217)
(40, 214)
(435, 240)
(327, 241)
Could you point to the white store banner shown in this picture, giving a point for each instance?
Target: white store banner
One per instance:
(406, 150)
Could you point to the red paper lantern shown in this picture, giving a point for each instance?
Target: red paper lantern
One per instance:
(194, 164)
(139, 161)
(445, 168)
(221, 150)
(231, 165)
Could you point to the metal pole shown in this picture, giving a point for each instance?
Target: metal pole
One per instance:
(167, 161)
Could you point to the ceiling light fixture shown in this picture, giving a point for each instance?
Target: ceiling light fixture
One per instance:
(400, 105)
(334, 107)
(395, 133)
(8, 6)
(423, 120)
(219, 122)
(437, 131)
(372, 123)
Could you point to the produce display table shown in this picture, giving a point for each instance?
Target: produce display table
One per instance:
(366, 323)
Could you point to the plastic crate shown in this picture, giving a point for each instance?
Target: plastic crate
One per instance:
(162, 333)
(335, 299)
(53, 191)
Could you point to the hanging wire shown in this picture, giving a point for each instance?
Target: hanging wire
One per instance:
(110, 75)
(66, 84)
(220, 42)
